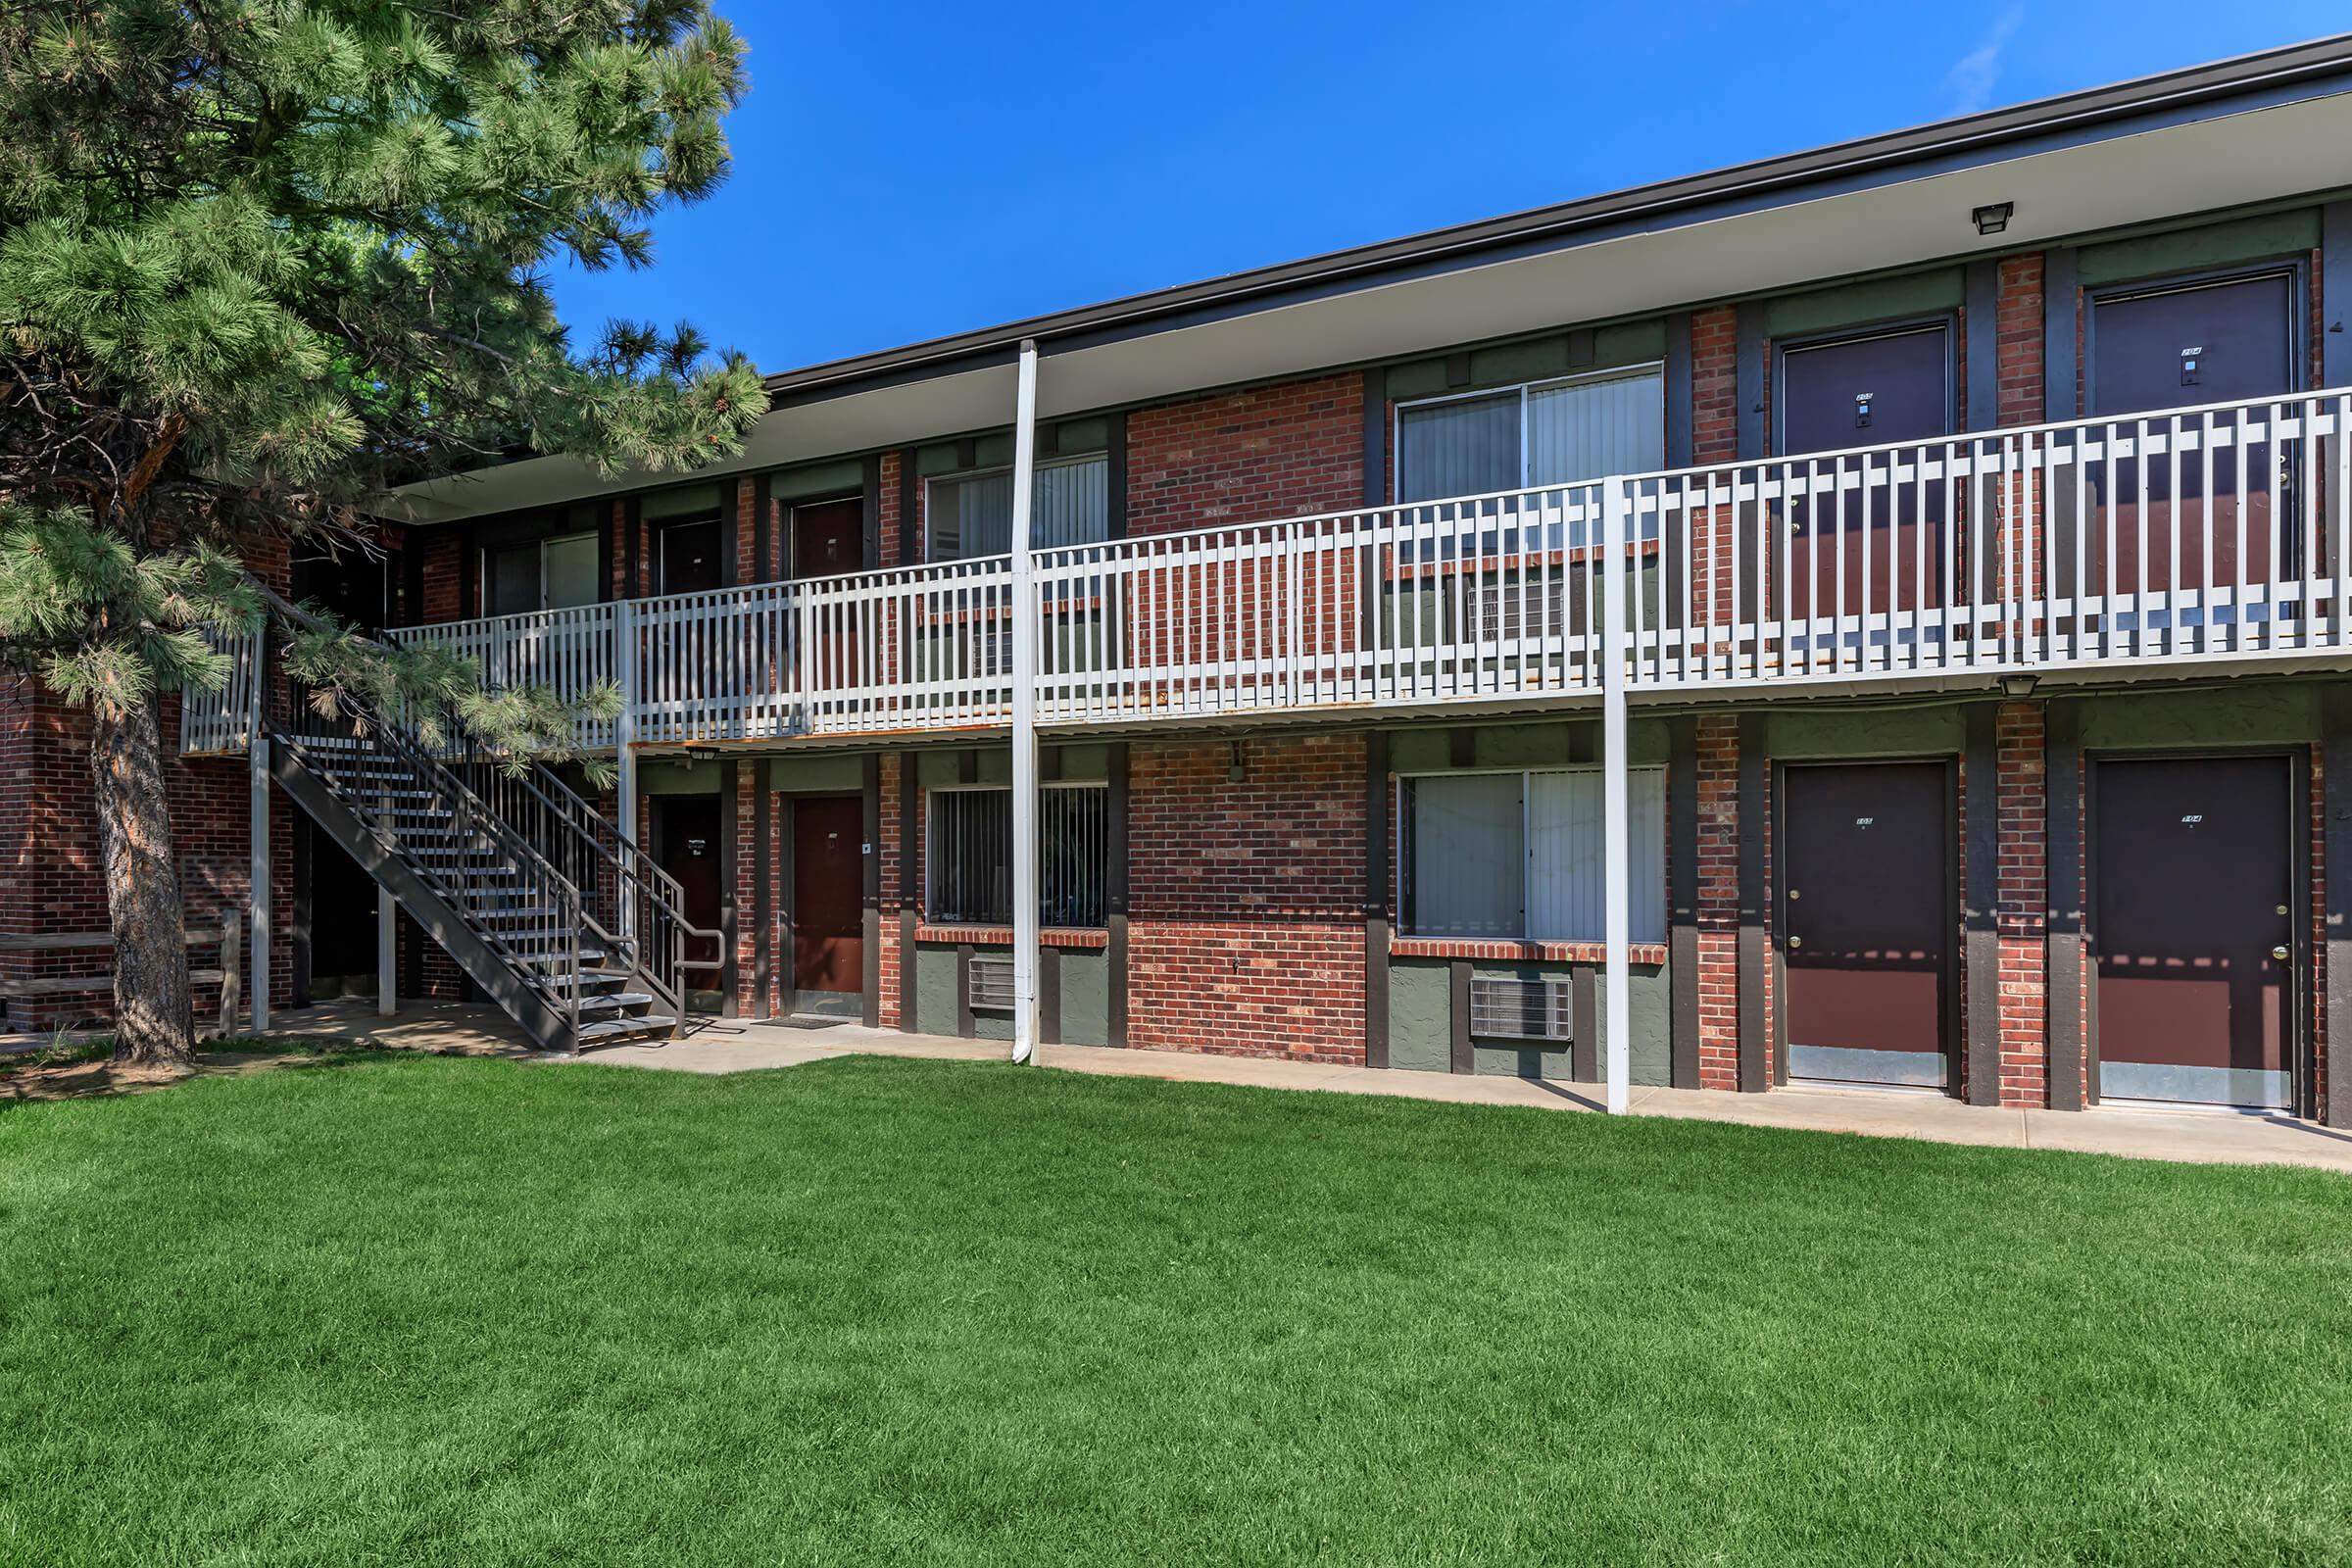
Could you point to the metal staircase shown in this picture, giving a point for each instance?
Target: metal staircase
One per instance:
(546, 907)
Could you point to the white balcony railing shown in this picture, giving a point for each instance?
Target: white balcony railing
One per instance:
(2180, 536)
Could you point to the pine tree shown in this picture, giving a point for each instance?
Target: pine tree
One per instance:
(261, 259)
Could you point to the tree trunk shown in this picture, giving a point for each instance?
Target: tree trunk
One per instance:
(154, 1021)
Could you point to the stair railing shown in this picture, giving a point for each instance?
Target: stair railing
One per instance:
(632, 907)
(520, 904)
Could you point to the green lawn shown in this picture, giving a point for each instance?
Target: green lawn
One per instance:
(404, 1309)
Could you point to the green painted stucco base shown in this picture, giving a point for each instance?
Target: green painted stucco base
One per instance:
(1085, 995)
(1421, 1024)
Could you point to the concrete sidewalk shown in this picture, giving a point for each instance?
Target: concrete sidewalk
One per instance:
(729, 1046)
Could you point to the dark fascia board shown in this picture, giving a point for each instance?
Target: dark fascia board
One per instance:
(2246, 82)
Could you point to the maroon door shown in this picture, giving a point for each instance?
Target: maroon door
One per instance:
(1858, 392)
(2169, 348)
(686, 846)
(828, 539)
(828, 894)
(2192, 862)
(1867, 919)
(690, 556)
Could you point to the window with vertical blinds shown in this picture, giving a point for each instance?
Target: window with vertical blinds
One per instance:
(968, 855)
(1554, 432)
(1519, 855)
(555, 573)
(970, 515)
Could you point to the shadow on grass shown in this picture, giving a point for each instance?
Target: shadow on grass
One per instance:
(89, 1071)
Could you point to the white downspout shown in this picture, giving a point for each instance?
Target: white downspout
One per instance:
(1616, 867)
(1024, 721)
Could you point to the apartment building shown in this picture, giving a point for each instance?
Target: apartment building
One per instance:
(1875, 617)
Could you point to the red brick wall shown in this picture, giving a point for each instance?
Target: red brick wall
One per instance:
(444, 581)
(2018, 339)
(898, 779)
(1718, 842)
(886, 512)
(1242, 457)
(52, 875)
(2023, 910)
(748, 783)
(1247, 929)
(2317, 824)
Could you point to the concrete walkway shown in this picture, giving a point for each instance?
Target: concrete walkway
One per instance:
(728, 1046)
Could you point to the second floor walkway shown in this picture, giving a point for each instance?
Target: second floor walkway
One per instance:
(2212, 536)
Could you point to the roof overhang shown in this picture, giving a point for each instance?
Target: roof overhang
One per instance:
(2268, 128)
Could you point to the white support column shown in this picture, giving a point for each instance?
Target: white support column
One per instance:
(257, 888)
(1616, 872)
(1024, 721)
(625, 757)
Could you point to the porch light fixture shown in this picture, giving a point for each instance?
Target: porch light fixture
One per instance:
(1994, 217)
(2018, 685)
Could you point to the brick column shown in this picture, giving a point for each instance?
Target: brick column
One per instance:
(896, 770)
(2023, 905)
(1718, 845)
(746, 884)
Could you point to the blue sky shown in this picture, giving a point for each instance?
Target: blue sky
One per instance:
(904, 170)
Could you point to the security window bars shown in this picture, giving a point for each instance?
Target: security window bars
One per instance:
(970, 515)
(969, 854)
(1519, 855)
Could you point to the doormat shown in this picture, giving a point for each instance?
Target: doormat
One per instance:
(802, 1021)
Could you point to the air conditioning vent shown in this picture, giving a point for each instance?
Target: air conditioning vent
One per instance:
(990, 985)
(1520, 1009)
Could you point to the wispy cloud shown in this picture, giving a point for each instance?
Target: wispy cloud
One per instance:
(1970, 83)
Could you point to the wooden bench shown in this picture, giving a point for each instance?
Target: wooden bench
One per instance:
(227, 973)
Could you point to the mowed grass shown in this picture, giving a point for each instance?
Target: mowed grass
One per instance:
(413, 1309)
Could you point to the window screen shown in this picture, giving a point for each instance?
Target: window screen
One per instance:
(1466, 447)
(1586, 430)
(1465, 856)
(1565, 879)
(971, 515)
(510, 585)
(1554, 434)
(571, 568)
(1519, 855)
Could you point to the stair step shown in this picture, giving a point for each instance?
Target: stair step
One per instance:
(620, 1031)
(590, 958)
(630, 1003)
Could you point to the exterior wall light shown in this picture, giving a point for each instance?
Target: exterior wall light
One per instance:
(1992, 219)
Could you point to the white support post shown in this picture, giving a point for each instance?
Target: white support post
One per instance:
(257, 887)
(625, 757)
(1616, 867)
(1024, 721)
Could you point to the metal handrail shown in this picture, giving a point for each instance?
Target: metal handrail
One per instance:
(471, 817)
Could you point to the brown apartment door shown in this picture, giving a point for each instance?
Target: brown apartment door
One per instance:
(1867, 921)
(1871, 545)
(829, 905)
(689, 556)
(686, 845)
(2194, 931)
(828, 539)
(2176, 346)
